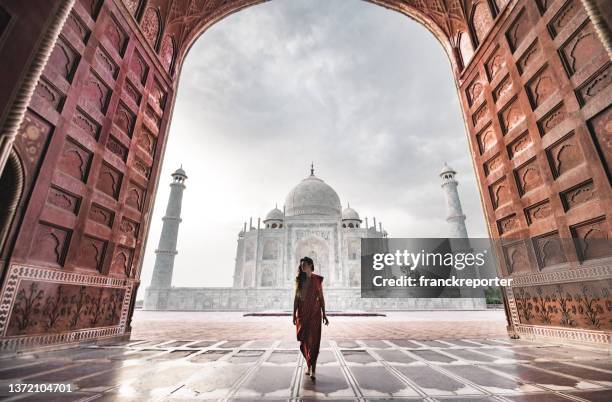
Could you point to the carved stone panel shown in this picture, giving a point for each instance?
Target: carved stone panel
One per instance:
(495, 64)
(538, 211)
(76, 25)
(106, 63)
(51, 308)
(528, 176)
(82, 121)
(103, 216)
(135, 196)
(132, 92)
(542, 86)
(151, 25)
(564, 16)
(139, 67)
(63, 59)
(592, 239)
(500, 193)
(50, 244)
(569, 305)
(117, 148)
(50, 94)
(516, 257)
(518, 30)
(529, 57)
(552, 119)
(564, 155)
(486, 139)
(595, 85)
(481, 20)
(167, 52)
(122, 262)
(91, 253)
(146, 140)
(141, 167)
(109, 180)
(158, 95)
(578, 51)
(493, 164)
(508, 224)
(75, 160)
(578, 195)
(519, 144)
(124, 119)
(601, 130)
(32, 139)
(116, 36)
(503, 89)
(95, 93)
(63, 199)
(511, 116)
(474, 90)
(480, 115)
(549, 250)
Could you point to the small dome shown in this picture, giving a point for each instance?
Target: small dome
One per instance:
(350, 213)
(180, 172)
(312, 196)
(447, 169)
(275, 214)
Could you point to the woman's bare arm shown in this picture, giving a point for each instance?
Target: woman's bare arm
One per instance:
(295, 307)
(322, 301)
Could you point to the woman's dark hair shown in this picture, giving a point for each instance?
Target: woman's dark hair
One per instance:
(301, 276)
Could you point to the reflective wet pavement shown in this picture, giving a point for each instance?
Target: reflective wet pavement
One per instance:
(364, 370)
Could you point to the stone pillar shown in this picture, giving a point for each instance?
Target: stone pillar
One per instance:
(166, 250)
(454, 213)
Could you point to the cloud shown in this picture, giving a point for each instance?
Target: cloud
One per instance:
(364, 92)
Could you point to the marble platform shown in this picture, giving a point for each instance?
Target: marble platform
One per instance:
(349, 370)
(261, 299)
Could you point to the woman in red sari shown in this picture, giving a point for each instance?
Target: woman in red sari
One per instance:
(308, 312)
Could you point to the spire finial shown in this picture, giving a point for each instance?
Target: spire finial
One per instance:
(348, 204)
(312, 168)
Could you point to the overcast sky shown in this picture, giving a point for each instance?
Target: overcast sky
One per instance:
(364, 92)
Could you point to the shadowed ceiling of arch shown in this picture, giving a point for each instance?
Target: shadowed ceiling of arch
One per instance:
(186, 19)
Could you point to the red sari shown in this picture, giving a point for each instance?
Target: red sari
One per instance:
(308, 323)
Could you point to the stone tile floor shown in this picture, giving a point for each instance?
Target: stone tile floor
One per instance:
(484, 369)
(395, 325)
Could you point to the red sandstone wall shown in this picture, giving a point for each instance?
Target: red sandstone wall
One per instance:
(537, 105)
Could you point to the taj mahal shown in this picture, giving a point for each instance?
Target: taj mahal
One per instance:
(312, 223)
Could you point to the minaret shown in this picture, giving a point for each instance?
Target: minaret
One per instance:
(166, 251)
(454, 213)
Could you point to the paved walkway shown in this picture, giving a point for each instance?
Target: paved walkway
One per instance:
(396, 325)
(427, 356)
(348, 370)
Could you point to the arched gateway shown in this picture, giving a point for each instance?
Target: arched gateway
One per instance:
(88, 88)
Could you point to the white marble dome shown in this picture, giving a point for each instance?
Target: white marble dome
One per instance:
(275, 214)
(312, 196)
(350, 214)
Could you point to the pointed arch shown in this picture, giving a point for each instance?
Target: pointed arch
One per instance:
(12, 184)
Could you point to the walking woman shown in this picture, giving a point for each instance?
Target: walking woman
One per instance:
(308, 312)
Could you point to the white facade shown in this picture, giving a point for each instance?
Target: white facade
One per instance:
(312, 225)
